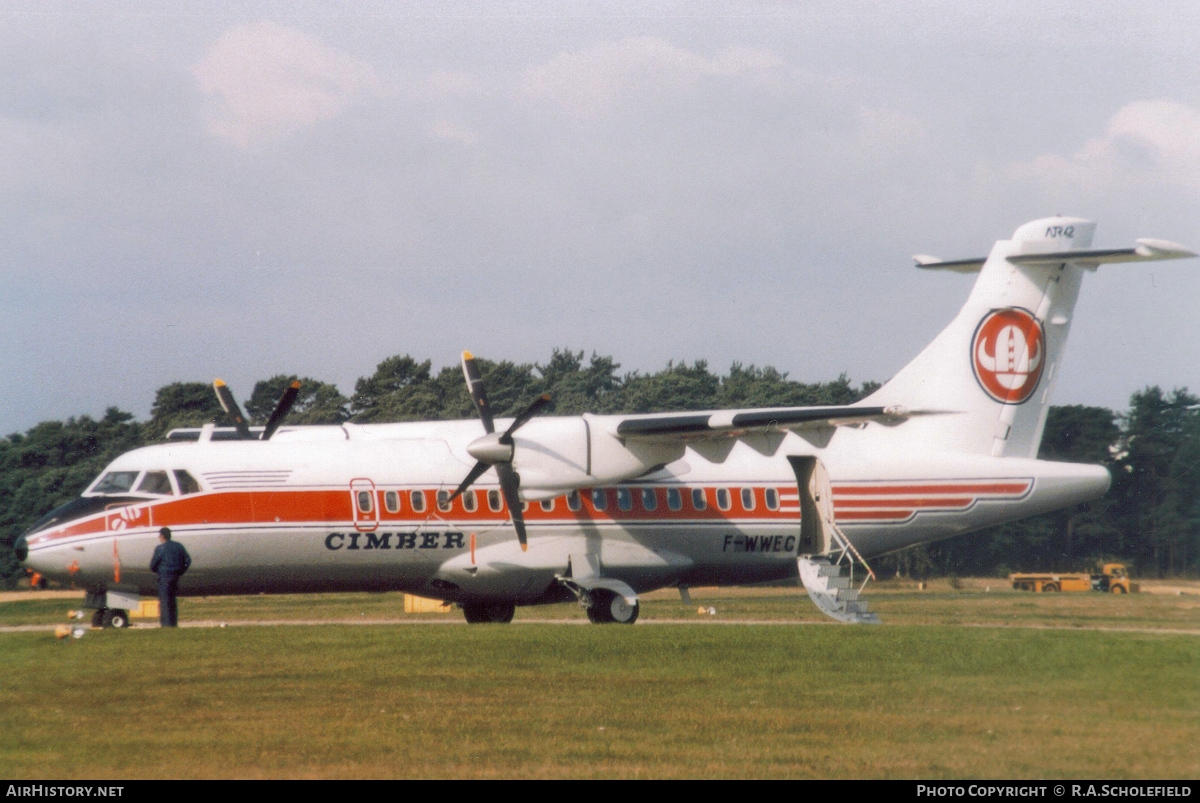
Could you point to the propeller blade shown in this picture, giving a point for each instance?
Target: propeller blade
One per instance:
(524, 416)
(498, 455)
(510, 481)
(230, 406)
(475, 474)
(476, 389)
(281, 409)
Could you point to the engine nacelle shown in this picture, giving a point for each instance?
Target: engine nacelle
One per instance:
(554, 455)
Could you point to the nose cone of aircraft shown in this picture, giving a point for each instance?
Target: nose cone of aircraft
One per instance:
(21, 548)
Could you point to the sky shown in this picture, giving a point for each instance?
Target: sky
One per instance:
(239, 190)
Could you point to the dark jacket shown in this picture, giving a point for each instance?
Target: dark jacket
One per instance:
(170, 558)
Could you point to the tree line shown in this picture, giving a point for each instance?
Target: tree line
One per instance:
(1150, 519)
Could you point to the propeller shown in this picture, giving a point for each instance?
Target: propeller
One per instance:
(230, 406)
(496, 451)
(281, 409)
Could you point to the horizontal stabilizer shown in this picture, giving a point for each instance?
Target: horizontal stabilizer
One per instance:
(1147, 250)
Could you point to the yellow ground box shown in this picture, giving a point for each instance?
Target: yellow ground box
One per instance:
(415, 604)
(146, 609)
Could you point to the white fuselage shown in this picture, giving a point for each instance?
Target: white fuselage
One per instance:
(357, 508)
(620, 504)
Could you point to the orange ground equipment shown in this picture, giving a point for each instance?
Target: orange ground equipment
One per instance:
(1112, 578)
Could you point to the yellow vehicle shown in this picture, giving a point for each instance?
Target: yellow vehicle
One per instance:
(1111, 579)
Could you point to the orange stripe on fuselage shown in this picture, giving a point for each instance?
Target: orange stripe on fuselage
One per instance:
(321, 505)
(893, 502)
(951, 502)
(875, 515)
(949, 488)
(248, 507)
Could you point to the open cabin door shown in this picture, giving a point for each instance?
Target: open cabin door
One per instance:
(816, 505)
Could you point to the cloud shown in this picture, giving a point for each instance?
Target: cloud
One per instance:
(1147, 141)
(266, 81)
(590, 81)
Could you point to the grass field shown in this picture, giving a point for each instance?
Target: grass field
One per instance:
(920, 697)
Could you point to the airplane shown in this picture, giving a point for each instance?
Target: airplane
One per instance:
(499, 512)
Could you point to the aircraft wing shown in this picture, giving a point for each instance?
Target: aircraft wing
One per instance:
(709, 425)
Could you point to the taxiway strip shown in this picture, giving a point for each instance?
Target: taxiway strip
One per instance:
(575, 622)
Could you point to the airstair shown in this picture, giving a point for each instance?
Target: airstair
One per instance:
(828, 571)
(831, 583)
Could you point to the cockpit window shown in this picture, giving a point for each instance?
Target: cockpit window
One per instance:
(187, 483)
(155, 482)
(115, 482)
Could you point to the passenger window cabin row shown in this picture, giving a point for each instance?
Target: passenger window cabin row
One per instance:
(181, 483)
(647, 498)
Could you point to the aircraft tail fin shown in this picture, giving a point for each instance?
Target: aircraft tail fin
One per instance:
(995, 364)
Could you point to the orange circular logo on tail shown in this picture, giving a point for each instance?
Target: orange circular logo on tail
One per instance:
(1008, 354)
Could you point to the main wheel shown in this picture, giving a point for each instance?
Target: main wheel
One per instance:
(1117, 589)
(484, 612)
(1049, 588)
(621, 611)
(608, 606)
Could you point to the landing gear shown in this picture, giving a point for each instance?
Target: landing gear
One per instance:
(605, 599)
(484, 613)
(607, 606)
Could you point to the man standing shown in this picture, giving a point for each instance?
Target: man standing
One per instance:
(170, 561)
